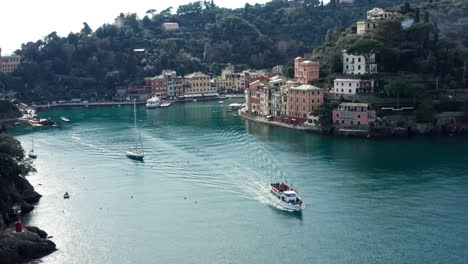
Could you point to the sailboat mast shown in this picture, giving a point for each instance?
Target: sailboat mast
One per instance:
(32, 142)
(134, 111)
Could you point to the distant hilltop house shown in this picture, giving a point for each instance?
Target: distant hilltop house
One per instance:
(9, 63)
(278, 69)
(119, 21)
(380, 14)
(352, 86)
(373, 18)
(366, 26)
(305, 71)
(353, 114)
(170, 26)
(356, 64)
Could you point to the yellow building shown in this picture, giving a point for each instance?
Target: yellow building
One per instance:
(198, 83)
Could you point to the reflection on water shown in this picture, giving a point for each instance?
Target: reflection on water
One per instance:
(367, 201)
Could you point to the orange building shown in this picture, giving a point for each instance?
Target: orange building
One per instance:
(300, 101)
(305, 71)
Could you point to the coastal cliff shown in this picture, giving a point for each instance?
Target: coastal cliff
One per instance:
(15, 189)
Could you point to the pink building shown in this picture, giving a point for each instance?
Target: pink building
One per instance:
(252, 97)
(354, 114)
(306, 71)
(158, 85)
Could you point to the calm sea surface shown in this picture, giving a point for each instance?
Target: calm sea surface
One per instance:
(367, 201)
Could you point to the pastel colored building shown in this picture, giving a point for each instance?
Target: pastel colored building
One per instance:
(305, 71)
(158, 85)
(175, 83)
(356, 64)
(300, 101)
(252, 97)
(352, 86)
(366, 26)
(353, 114)
(1, 65)
(170, 26)
(198, 83)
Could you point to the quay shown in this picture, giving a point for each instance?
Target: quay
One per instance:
(272, 123)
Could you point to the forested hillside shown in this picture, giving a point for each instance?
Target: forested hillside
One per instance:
(426, 44)
(93, 63)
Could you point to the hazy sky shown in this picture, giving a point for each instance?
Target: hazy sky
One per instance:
(30, 20)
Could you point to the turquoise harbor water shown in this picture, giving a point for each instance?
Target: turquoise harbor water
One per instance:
(368, 201)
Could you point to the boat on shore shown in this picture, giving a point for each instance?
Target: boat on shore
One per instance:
(287, 196)
(64, 119)
(153, 102)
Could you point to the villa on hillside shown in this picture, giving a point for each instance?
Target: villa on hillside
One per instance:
(356, 64)
(352, 86)
(170, 26)
(373, 17)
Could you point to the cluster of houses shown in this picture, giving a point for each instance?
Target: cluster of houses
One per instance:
(293, 102)
(197, 85)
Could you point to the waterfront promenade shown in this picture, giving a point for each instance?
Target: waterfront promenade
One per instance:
(272, 123)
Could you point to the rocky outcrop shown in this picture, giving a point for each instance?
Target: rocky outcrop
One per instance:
(23, 246)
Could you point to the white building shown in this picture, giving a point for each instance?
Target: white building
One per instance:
(170, 26)
(380, 14)
(352, 86)
(366, 26)
(356, 64)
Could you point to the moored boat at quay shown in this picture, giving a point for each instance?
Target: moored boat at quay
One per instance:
(288, 197)
(153, 102)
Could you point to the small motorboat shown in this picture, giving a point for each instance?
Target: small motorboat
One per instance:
(288, 197)
(220, 102)
(64, 119)
(66, 195)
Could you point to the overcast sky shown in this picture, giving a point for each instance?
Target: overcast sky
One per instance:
(30, 20)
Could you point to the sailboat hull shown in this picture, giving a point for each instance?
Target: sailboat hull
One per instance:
(135, 156)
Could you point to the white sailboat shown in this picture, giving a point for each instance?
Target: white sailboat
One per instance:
(31, 153)
(135, 152)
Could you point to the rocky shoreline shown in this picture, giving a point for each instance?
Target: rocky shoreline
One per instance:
(32, 242)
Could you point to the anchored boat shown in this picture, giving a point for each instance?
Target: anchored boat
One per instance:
(287, 196)
(153, 102)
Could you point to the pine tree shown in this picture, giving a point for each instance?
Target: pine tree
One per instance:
(416, 16)
(426, 17)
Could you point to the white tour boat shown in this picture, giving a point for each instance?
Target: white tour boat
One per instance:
(64, 119)
(153, 102)
(288, 197)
